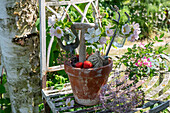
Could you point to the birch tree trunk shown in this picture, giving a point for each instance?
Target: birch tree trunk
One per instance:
(1, 65)
(20, 50)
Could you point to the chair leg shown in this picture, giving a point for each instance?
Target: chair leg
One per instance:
(46, 107)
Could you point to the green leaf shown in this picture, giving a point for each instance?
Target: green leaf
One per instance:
(129, 49)
(2, 101)
(2, 89)
(134, 46)
(37, 24)
(114, 46)
(2, 111)
(7, 109)
(59, 86)
(160, 40)
(114, 27)
(68, 24)
(89, 50)
(156, 38)
(161, 35)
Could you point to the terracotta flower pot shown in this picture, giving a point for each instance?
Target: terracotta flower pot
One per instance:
(86, 83)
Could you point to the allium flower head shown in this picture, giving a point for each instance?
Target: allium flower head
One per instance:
(51, 20)
(93, 35)
(126, 29)
(109, 32)
(58, 32)
(69, 102)
(119, 101)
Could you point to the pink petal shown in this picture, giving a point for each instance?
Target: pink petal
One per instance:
(136, 64)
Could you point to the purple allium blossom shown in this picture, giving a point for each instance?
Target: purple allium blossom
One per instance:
(122, 99)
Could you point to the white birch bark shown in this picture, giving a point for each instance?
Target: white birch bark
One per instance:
(21, 60)
(1, 65)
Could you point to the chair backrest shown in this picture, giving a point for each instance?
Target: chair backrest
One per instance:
(49, 6)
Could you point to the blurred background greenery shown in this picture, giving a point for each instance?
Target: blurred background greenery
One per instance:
(152, 15)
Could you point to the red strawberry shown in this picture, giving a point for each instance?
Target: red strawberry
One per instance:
(79, 65)
(87, 64)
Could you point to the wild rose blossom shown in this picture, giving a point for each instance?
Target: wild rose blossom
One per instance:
(144, 62)
(126, 29)
(139, 63)
(51, 20)
(136, 34)
(131, 38)
(69, 102)
(109, 32)
(92, 35)
(58, 32)
(136, 27)
(136, 30)
(150, 64)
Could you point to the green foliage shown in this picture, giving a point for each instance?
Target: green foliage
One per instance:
(57, 79)
(41, 107)
(2, 89)
(5, 105)
(107, 3)
(76, 16)
(150, 14)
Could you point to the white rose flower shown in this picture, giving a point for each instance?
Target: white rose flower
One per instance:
(131, 38)
(93, 35)
(69, 103)
(136, 34)
(136, 28)
(58, 32)
(109, 32)
(126, 29)
(51, 20)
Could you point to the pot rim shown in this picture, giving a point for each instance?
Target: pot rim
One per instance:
(69, 65)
